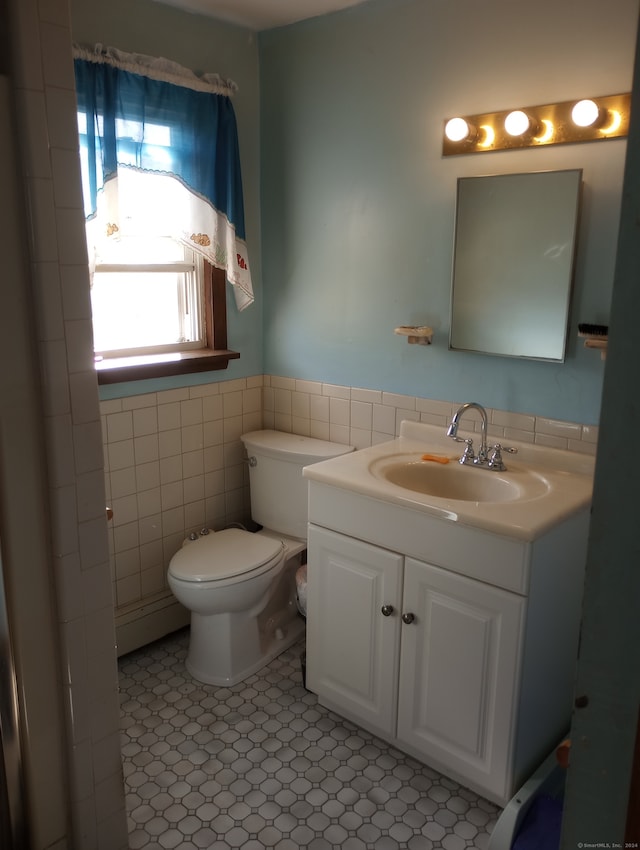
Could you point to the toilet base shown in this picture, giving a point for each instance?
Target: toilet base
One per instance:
(225, 649)
(216, 659)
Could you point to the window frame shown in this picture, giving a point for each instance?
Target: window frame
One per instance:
(213, 357)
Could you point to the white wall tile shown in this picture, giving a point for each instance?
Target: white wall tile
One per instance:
(362, 415)
(138, 402)
(283, 422)
(300, 405)
(56, 55)
(301, 426)
(150, 530)
(282, 401)
(195, 515)
(59, 438)
(93, 543)
(309, 387)
(232, 429)
(42, 232)
(252, 400)
(395, 400)
(121, 455)
(171, 469)
(172, 495)
(384, 419)
(556, 428)
(146, 449)
(213, 433)
(35, 135)
(149, 509)
(170, 443)
(69, 222)
(191, 412)
(119, 426)
(67, 185)
(193, 489)
(339, 411)
(53, 357)
(192, 438)
(518, 421)
(61, 118)
(84, 397)
(125, 537)
(145, 421)
(125, 509)
(319, 408)
(212, 408)
(252, 422)
(336, 391)
(127, 563)
(169, 416)
(283, 383)
(48, 300)
(339, 434)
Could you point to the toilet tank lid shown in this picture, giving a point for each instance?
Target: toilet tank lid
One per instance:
(223, 554)
(293, 447)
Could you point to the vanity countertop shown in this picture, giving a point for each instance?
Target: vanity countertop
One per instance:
(567, 478)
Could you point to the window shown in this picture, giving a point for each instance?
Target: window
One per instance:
(165, 219)
(146, 298)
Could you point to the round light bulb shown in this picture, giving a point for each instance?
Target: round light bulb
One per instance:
(585, 113)
(516, 123)
(456, 130)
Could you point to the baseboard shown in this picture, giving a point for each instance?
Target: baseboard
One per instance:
(152, 622)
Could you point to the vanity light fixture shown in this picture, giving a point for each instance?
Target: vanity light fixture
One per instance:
(518, 123)
(458, 130)
(534, 126)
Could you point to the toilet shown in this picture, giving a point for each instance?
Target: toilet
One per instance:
(240, 586)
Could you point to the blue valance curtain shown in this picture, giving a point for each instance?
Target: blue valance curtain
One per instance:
(159, 153)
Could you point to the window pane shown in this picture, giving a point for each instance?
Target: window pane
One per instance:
(136, 310)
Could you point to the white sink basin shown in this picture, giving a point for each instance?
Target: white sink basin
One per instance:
(538, 490)
(454, 481)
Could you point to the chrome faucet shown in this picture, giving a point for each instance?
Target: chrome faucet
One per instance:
(486, 458)
(452, 431)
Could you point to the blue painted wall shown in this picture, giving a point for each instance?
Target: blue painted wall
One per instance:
(358, 203)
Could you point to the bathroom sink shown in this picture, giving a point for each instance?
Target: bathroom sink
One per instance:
(540, 488)
(452, 480)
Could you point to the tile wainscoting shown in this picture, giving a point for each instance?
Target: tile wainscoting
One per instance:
(174, 463)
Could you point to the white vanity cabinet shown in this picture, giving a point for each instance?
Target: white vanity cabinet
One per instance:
(424, 657)
(479, 685)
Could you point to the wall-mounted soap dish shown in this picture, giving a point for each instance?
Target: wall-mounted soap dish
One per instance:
(421, 335)
(595, 336)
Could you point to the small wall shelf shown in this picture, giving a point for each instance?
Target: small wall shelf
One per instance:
(420, 335)
(597, 342)
(595, 336)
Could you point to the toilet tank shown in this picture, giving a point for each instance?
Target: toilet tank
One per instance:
(278, 490)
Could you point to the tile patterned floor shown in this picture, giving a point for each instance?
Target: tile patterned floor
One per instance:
(262, 765)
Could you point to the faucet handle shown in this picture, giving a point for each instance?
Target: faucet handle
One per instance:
(495, 456)
(467, 455)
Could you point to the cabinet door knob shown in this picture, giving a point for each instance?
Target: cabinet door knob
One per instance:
(408, 618)
(387, 610)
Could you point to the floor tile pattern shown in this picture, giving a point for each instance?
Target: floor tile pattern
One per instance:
(262, 765)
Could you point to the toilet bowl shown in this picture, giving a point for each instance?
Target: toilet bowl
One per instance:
(240, 586)
(227, 579)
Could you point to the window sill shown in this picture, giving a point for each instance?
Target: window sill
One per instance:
(117, 370)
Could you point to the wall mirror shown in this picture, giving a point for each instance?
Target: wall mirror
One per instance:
(514, 251)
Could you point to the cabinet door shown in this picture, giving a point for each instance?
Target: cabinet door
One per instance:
(352, 646)
(459, 674)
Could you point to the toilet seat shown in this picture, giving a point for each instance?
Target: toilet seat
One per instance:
(225, 555)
